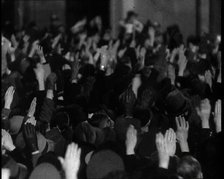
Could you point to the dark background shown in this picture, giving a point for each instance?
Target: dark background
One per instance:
(77, 9)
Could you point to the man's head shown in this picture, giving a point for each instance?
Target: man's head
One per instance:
(101, 120)
(131, 16)
(189, 168)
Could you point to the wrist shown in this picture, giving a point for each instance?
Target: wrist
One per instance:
(205, 124)
(11, 148)
(41, 84)
(181, 72)
(69, 175)
(34, 149)
(164, 163)
(130, 151)
(42, 59)
(35, 152)
(218, 128)
(184, 146)
(7, 105)
(50, 94)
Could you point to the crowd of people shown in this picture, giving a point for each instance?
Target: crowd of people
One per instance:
(78, 103)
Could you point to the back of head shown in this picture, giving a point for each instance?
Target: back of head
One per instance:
(45, 171)
(189, 168)
(103, 163)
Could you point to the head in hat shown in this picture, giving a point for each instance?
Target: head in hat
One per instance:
(103, 163)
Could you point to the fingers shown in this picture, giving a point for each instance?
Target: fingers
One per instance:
(32, 107)
(159, 140)
(170, 135)
(73, 151)
(131, 131)
(198, 111)
(181, 123)
(61, 160)
(10, 90)
(29, 129)
(4, 132)
(9, 93)
(33, 103)
(218, 106)
(177, 122)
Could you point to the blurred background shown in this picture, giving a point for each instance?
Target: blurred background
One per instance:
(193, 16)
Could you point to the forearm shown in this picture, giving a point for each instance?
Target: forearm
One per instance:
(164, 163)
(205, 123)
(41, 84)
(184, 147)
(47, 110)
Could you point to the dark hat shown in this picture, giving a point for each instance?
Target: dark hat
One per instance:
(97, 118)
(15, 124)
(45, 171)
(176, 103)
(51, 158)
(144, 115)
(103, 163)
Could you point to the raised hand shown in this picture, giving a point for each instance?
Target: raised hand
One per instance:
(182, 62)
(128, 100)
(170, 141)
(7, 142)
(131, 140)
(104, 56)
(51, 80)
(121, 52)
(162, 151)
(136, 83)
(31, 137)
(56, 40)
(71, 162)
(166, 147)
(26, 38)
(39, 51)
(204, 111)
(32, 108)
(75, 69)
(39, 71)
(217, 116)
(5, 173)
(34, 48)
(31, 120)
(182, 133)
(171, 73)
(208, 78)
(9, 97)
(173, 54)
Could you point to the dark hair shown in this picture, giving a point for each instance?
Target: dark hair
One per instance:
(97, 118)
(189, 168)
(195, 40)
(144, 115)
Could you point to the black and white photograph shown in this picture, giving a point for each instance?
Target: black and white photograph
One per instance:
(111, 89)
